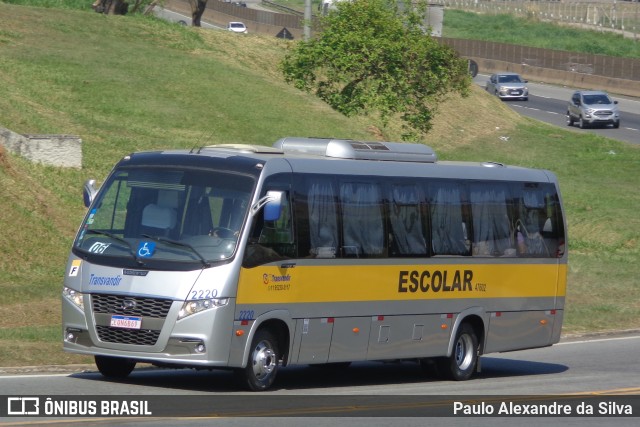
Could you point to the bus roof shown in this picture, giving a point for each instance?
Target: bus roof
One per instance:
(311, 155)
(360, 150)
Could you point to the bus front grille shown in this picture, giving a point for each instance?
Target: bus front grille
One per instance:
(131, 306)
(127, 336)
(152, 312)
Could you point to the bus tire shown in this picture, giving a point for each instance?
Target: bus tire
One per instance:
(462, 363)
(114, 367)
(262, 366)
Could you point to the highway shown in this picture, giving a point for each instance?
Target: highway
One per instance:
(396, 394)
(548, 103)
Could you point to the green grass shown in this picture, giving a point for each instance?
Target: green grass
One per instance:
(132, 83)
(56, 4)
(534, 33)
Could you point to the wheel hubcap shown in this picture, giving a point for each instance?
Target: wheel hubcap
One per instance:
(264, 360)
(463, 352)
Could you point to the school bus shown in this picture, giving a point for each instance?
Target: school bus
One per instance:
(314, 251)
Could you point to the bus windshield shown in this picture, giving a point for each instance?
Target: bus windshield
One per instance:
(180, 218)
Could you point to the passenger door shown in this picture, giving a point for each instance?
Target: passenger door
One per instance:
(491, 84)
(574, 105)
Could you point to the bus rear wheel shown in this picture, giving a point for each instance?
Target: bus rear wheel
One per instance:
(263, 363)
(462, 363)
(114, 367)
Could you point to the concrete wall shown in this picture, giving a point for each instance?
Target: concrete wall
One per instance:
(52, 150)
(560, 77)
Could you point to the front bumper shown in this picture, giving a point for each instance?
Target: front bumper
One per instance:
(513, 93)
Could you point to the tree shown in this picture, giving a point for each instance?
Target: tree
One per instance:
(371, 57)
(197, 10)
(117, 7)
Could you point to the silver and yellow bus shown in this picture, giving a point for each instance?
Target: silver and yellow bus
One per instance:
(314, 251)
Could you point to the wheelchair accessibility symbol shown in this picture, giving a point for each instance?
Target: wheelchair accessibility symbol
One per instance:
(146, 249)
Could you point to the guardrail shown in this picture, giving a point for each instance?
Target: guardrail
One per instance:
(617, 75)
(282, 8)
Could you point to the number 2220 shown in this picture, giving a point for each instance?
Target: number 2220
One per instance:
(203, 294)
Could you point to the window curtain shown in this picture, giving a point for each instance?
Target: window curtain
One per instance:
(323, 223)
(448, 230)
(533, 213)
(533, 217)
(491, 226)
(362, 219)
(406, 221)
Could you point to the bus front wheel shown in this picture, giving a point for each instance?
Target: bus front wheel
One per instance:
(462, 363)
(114, 367)
(262, 365)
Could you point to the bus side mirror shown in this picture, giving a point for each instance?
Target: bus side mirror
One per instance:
(273, 206)
(89, 192)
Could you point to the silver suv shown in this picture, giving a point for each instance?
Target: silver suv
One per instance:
(592, 107)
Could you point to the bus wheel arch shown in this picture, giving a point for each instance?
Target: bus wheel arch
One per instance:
(269, 350)
(464, 350)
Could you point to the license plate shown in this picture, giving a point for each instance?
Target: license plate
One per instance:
(515, 92)
(126, 322)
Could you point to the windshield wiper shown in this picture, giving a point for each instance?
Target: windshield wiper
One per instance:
(119, 239)
(205, 263)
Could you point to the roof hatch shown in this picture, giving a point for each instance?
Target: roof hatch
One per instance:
(361, 150)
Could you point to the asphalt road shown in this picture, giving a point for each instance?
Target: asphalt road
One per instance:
(601, 368)
(548, 103)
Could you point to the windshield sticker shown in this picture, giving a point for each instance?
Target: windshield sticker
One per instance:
(146, 249)
(75, 267)
(91, 215)
(99, 247)
(82, 233)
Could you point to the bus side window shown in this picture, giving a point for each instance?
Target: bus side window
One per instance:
(450, 226)
(323, 219)
(271, 241)
(278, 232)
(407, 222)
(492, 232)
(362, 220)
(539, 230)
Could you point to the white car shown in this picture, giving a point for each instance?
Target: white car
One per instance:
(237, 27)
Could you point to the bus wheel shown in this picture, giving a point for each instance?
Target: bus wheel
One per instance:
(114, 367)
(262, 366)
(462, 363)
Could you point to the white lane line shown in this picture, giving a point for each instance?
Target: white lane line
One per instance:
(635, 337)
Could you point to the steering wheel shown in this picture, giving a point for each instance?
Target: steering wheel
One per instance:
(222, 232)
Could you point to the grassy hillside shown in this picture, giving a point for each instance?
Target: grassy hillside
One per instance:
(131, 83)
(532, 32)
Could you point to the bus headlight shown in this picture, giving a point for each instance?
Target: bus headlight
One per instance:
(196, 306)
(75, 297)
